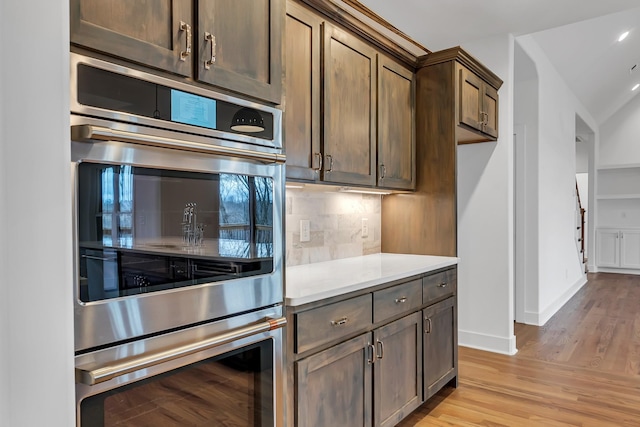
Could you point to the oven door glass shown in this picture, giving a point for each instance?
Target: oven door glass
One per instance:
(234, 389)
(143, 230)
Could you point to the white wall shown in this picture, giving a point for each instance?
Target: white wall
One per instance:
(485, 218)
(559, 269)
(526, 111)
(620, 136)
(36, 320)
(4, 306)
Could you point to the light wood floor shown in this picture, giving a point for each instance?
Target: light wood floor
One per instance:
(581, 369)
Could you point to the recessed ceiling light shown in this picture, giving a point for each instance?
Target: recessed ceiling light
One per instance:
(636, 86)
(623, 36)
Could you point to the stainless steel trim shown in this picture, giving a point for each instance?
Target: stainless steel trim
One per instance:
(97, 258)
(94, 375)
(89, 133)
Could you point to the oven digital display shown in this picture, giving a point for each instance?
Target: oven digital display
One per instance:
(192, 109)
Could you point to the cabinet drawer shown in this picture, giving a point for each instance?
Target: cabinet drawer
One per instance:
(439, 285)
(332, 322)
(397, 300)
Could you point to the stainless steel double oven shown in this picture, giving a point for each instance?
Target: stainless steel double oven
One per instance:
(178, 201)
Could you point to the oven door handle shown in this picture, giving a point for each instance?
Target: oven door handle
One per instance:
(92, 375)
(92, 133)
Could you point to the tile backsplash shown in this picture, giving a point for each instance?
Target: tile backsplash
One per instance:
(336, 225)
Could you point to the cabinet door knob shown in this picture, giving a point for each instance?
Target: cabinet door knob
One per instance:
(185, 53)
(443, 285)
(212, 39)
(401, 300)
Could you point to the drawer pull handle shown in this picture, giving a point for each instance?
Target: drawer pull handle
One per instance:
(340, 322)
(371, 357)
(185, 53)
(208, 37)
(401, 300)
(429, 325)
(442, 285)
(380, 349)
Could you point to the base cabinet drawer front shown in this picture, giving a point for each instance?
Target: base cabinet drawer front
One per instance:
(439, 285)
(331, 322)
(396, 300)
(333, 387)
(397, 371)
(440, 345)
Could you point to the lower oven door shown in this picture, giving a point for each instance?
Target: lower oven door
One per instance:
(203, 376)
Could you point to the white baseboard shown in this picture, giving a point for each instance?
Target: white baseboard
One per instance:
(539, 319)
(492, 343)
(618, 270)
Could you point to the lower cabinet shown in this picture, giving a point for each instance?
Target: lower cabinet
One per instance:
(440, 345)
(334, 386)
(371, 359)
(618, 248)
(397, 370)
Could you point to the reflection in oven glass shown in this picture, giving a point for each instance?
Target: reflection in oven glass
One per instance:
(144, 230)
(235, 390)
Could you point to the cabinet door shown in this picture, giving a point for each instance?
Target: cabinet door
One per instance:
(470, 99)
(240, 46)
(607, 248)
(397, 373)
(148, 32)
(440, 345)
(396, 136)
(349, 109)
(302, 93)
(630, 248)
(490, 111)
(333, 387)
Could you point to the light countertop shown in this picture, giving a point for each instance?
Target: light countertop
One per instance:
(312, 282)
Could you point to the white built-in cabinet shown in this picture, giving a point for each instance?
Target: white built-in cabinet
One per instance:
(618, 248)
(618, 204)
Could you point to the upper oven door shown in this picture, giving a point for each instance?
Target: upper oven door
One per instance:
(168, 237)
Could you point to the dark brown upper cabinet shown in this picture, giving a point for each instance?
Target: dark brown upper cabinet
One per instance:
(349, 119)
(302, 118)
(158, 34)
(478, 103)
(396, 125)
(240, 46)
(350, 88)
(232, 44)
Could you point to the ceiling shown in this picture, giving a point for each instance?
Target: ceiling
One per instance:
(578, 36)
